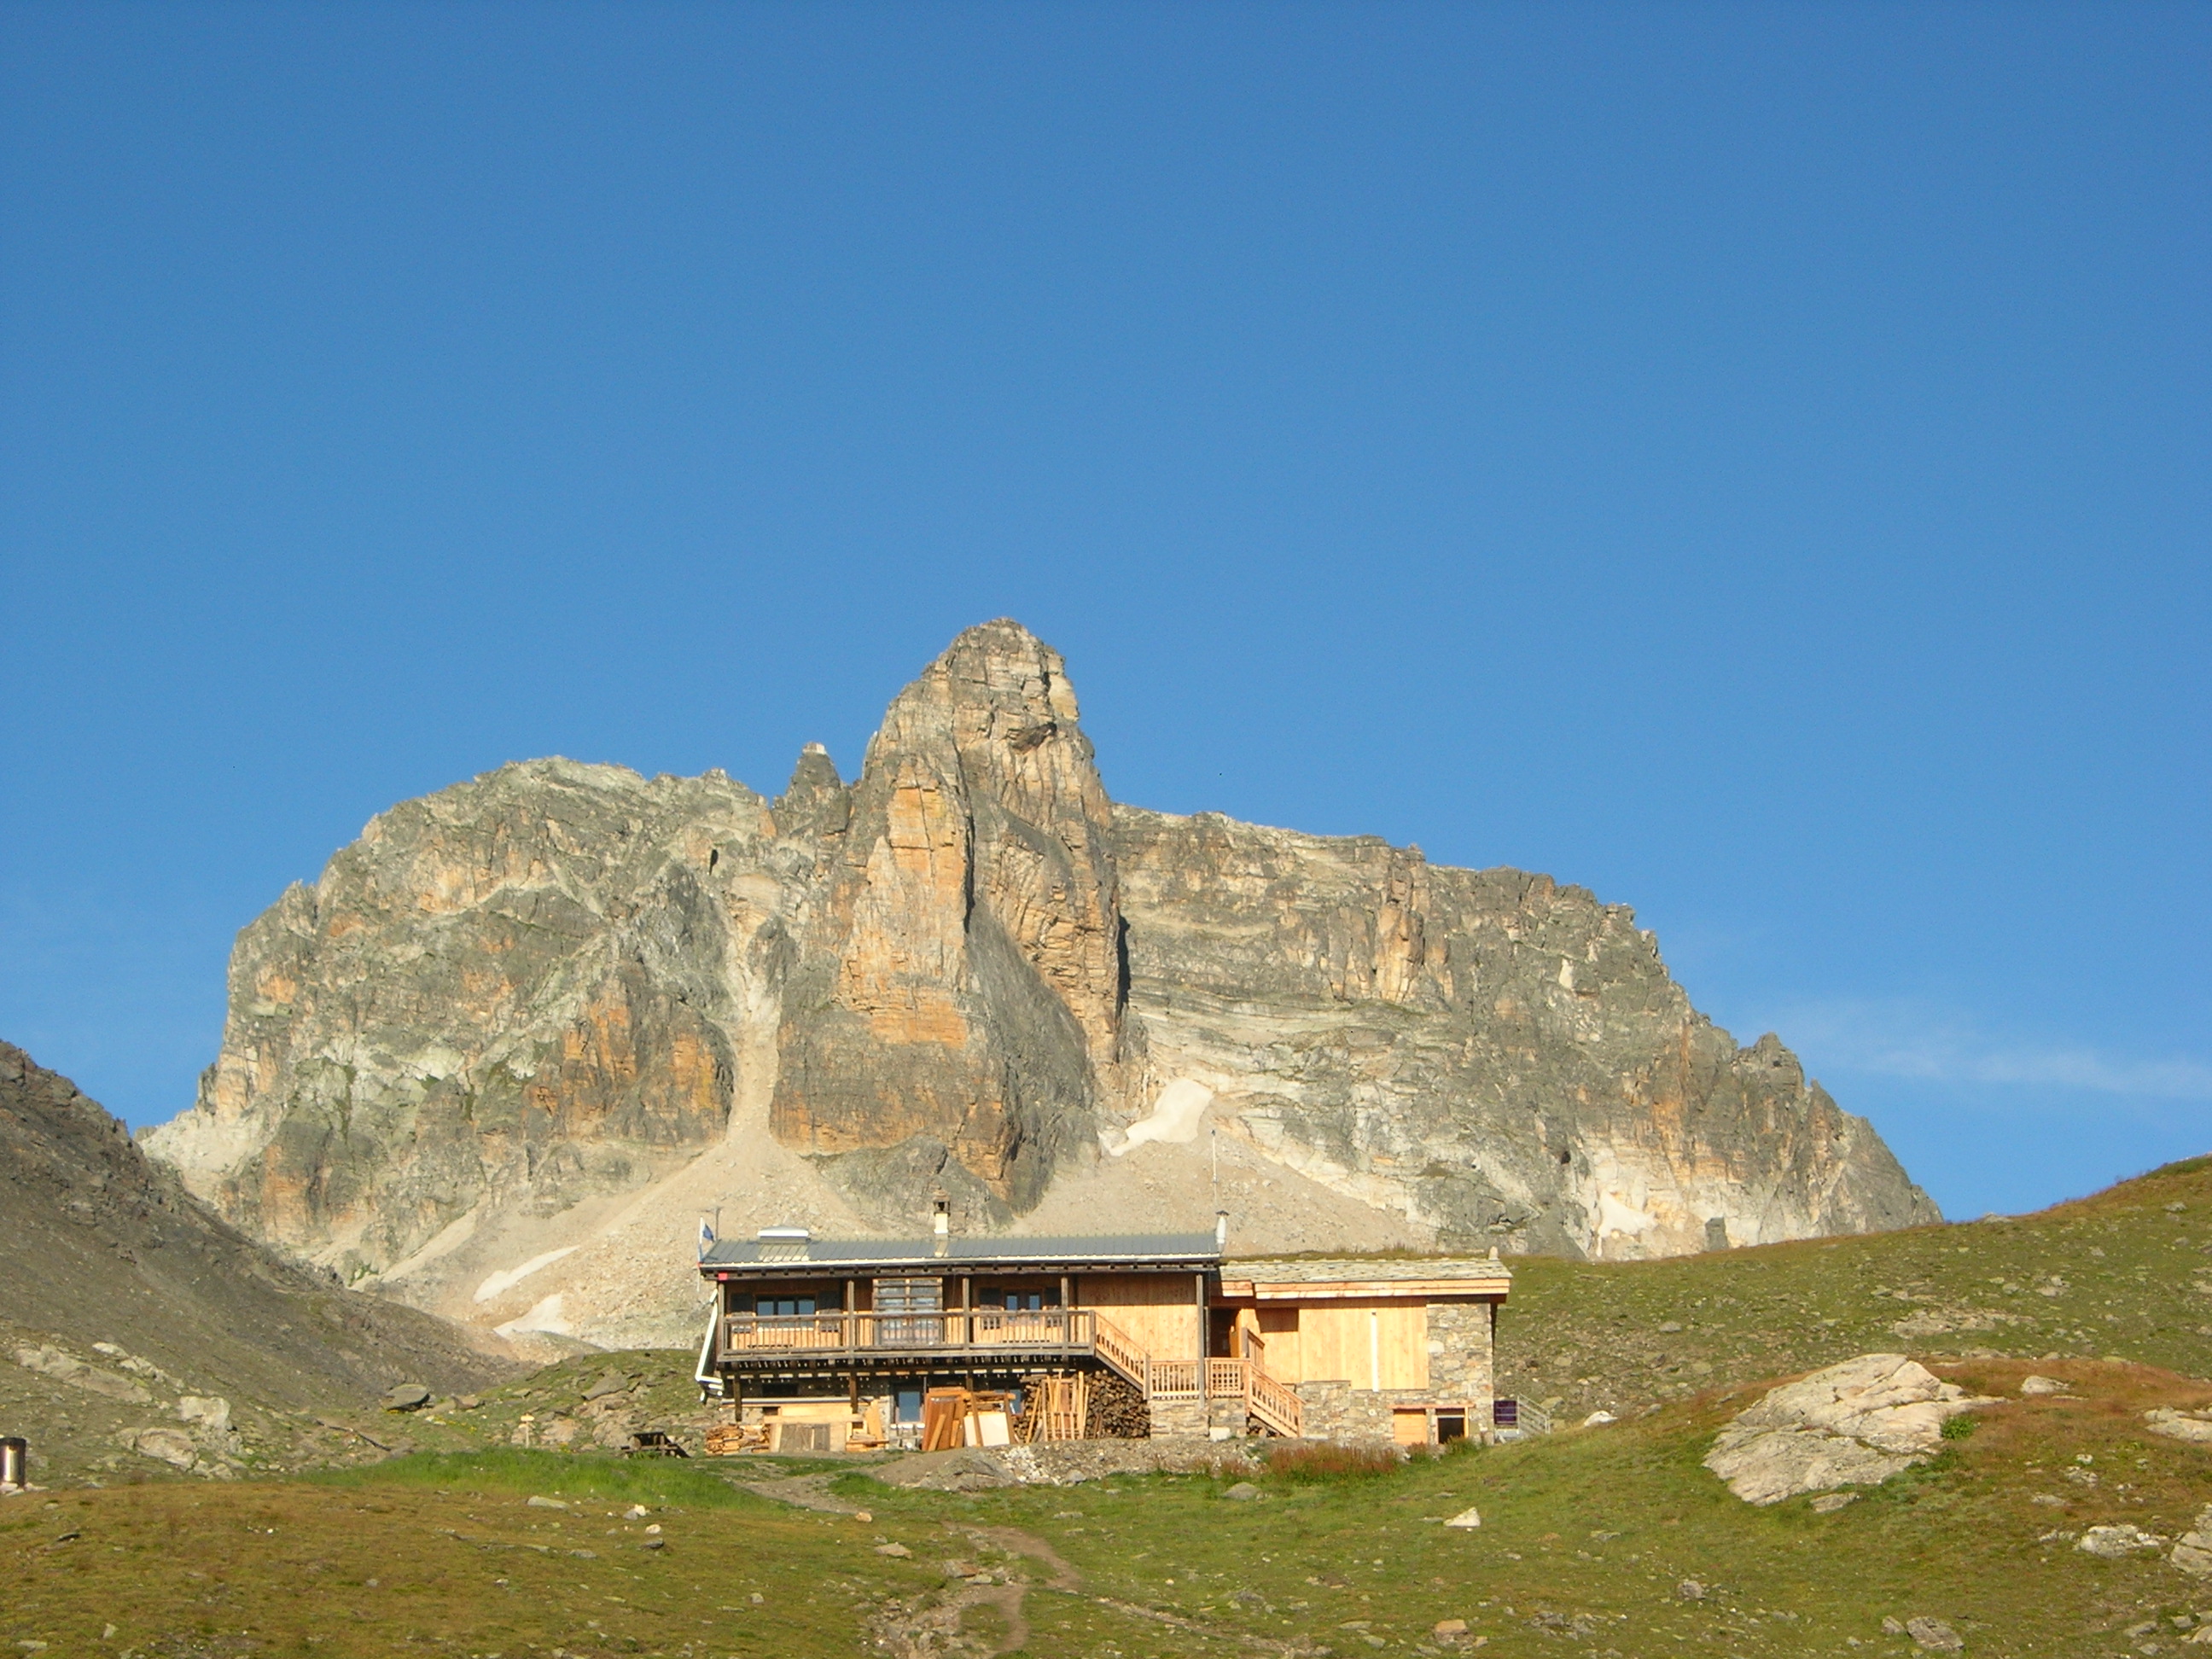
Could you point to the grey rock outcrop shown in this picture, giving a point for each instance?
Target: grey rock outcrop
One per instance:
(2192, 1551)
(1502, 1058)
(1852, 1424)
(562, 986)
(2119, 1541)
(2180, 1425)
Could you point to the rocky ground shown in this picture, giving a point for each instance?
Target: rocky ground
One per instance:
(142, 1336)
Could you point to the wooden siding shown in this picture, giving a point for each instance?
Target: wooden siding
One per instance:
(1372, 1343)
(1158, 1311)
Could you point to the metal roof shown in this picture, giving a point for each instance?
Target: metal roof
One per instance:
(1131, 1249)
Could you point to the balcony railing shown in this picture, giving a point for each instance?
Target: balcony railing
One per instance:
(767, 1339)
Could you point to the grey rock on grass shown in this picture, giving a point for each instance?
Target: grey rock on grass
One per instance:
(1852, 1424)
(2179, 1426)
(2118, 1542)
(2192, 1551)
(1933, 1635)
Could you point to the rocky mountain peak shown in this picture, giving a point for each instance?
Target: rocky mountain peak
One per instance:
(964, 953)
(816, 801)
(537, 1011)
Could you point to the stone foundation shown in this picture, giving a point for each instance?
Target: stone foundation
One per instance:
(1182, 1419)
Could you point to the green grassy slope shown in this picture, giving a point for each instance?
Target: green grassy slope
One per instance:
(1594, 1534)
(1593, 1538)
(1611, 1541)
(2127, 1273)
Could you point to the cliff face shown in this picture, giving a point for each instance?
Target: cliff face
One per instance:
(524, 989)
(1499, 1058)
(956, 999)
(559, 985)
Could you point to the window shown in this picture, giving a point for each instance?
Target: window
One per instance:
(908, 1311)
(906, 1405)
(904, 1296)
(992, 1296)
(782, 1307)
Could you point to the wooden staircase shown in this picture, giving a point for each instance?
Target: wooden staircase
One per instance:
(1273, 1405)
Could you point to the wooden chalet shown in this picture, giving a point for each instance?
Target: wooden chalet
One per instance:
(820, 1344)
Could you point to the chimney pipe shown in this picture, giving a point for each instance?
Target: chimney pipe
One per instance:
(15, 1460)
(1221, 1231)
(940, 1223)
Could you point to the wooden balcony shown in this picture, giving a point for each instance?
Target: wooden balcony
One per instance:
(991, 1338)
(867, 1340)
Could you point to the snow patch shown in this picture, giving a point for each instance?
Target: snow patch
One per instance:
(546, 1317)
(513, 1276)
(1174, 1117)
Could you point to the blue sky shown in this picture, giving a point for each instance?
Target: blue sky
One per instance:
(1750, 461)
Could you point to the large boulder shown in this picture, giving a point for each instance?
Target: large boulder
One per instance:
(2180, 1425)
(1852, 1424)
(2192, 1551)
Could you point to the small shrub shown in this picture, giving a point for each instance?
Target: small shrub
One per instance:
(1323, 1460)
(1958, 1427)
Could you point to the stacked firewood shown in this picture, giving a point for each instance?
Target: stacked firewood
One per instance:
(1117, 1410)
(728, 1439)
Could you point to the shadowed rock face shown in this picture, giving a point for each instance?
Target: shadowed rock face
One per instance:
(972, 972)
(140, 1326)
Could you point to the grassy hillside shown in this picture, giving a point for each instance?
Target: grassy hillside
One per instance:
(2127, 1274)
(1612, 1537)
(138, 1332)
(1611, 1541)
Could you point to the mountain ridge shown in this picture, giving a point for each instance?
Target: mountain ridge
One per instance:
(561, 1005)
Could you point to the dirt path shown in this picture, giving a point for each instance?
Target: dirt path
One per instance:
(806, 1491)
(1014, 1541)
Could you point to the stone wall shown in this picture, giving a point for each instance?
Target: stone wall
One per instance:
(1176, 1419)
(1337, 1411)
(1461, 1335)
